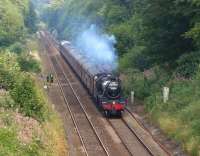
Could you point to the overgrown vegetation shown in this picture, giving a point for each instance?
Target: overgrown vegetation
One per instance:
(21, 86)
(158, 42)
(21, 135)
(22, 102)
(9, 133)
(29, 64)
(16, 18)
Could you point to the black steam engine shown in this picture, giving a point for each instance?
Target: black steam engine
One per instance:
(101, 83)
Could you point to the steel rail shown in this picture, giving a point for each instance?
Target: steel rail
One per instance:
(138, 138)
(120, 137)
(131, 129)
(85, 112)
(114, 130)
(160, 145)
(68, 107)
(147, 149)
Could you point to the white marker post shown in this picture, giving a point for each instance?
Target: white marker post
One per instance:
(165, 94)
(45, 87)
(132, 97)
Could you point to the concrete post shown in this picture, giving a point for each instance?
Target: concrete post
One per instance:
(132, 97)
(45, 87)
(165, 94)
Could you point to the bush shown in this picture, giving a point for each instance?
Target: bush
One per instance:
(16, 48)
(188, 65)
(136, 81)
(136, 59)
(184, 107)
(26, 97)
(21, 86)
(29, 64)
(12, 27)
(6, 102)
(7, 79)
(11, 143)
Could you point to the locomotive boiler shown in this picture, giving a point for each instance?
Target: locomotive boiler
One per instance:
(102, 84)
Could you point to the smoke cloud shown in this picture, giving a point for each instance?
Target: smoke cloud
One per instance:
(97, 47)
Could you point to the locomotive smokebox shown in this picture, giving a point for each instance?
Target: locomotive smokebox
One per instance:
(108, 85)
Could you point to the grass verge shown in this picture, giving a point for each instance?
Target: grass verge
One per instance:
(28, 125)
(179, 118)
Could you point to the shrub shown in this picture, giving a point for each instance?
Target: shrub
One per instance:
(136, 81)
(29, 64)
(188, 65)
(26, 97)
(7, 79)
(135, 58)
(21, 86)
(6, 102)
(16, 48)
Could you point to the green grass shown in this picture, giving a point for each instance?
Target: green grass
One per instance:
(10, 145)
(180, 116)
(49, 141)
(23, 93)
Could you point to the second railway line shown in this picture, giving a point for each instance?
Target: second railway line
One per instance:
(107, 137)
(90, 139)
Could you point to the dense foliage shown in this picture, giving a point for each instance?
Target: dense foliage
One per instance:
(21, 87)
(158, 31)
(16, 17)
(28, 126)
(158, 42)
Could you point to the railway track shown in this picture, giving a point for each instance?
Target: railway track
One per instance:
(89, 137)
(89, 105)
(126, 134)
(68, 108)
(90, 126)
(132, 115)
(130, 139)
(117, 150)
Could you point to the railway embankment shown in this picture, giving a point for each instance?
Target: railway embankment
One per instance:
(177, 118)
(28, 124)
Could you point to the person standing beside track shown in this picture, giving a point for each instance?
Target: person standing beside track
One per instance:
(50, 78)
(49, 81)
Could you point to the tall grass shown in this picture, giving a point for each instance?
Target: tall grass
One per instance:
(179, 117)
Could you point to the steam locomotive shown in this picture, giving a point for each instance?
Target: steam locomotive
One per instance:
(102, 84)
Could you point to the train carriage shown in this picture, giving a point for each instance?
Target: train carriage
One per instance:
(99, 80)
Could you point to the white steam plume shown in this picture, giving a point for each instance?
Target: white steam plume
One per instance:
(98, 47)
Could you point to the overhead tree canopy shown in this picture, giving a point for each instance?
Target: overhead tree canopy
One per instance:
(11, 23)
(162, 30)
(16, 17)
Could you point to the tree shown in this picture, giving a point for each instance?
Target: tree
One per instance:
(11, 23)
(166, 29)
(31, 18)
